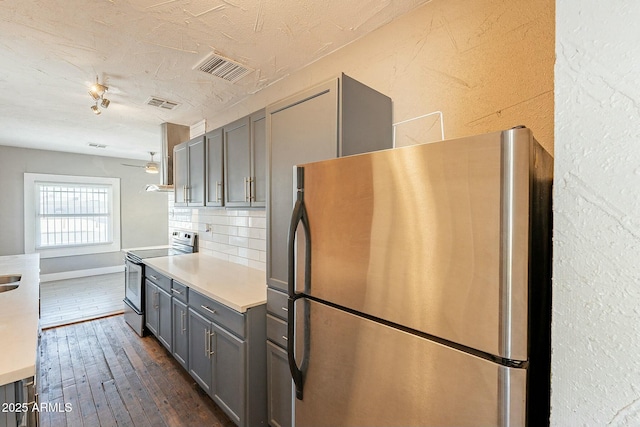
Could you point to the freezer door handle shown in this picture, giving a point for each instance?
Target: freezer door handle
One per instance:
(299, 215)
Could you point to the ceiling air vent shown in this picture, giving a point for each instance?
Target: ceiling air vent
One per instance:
(162, 103)
(223, 68)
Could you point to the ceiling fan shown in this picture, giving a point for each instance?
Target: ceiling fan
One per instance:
(150, 167)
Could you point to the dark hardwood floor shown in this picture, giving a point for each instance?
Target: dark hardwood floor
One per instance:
(108, 376)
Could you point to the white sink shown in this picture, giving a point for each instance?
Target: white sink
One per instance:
(9, 282)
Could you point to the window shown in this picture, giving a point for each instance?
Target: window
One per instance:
(71, 215)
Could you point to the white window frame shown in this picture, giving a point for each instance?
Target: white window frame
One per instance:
(31, 181)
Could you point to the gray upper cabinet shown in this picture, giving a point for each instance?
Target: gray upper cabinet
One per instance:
(237, 168)
(258, 159)
(215, 168)
(189, 172)
(337, 118)
(180, 174)
(244, 166)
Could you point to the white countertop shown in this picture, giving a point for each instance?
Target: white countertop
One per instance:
(234, 285)
(19, 317)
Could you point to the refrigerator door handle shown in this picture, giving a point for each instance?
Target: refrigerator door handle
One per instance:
(296, 373)
(296, 217)
(299, 215)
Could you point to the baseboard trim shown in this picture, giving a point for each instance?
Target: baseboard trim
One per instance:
(63, 275)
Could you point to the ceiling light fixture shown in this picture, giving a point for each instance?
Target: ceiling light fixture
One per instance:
(150, 167)
(97, 92)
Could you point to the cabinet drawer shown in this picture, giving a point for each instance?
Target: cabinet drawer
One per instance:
(277, 303)
(179, 291)
(216, 312)
(159, 279)
(277, 330)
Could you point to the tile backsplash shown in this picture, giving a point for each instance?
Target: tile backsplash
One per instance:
(233, 235)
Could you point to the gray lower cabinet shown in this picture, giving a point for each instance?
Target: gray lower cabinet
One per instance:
(227, 357)
(151, 307)
(200, 365)
(278, 386)
(11, 405)
(228, 384)
(180, 332)
(158, 313)
(17, 400)
(217, 363)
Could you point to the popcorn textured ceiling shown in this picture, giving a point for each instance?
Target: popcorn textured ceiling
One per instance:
(52, 50)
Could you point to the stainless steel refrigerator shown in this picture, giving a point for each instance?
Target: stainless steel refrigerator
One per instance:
(420, 285)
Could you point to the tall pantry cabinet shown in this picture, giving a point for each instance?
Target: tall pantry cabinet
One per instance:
(337, 118)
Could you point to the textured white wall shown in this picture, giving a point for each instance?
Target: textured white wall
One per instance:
(596, 313)
(486, 64)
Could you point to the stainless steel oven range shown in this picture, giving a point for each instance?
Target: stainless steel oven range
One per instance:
(182, 242)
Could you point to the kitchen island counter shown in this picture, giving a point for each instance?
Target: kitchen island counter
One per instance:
(19, 318)
(234, 285)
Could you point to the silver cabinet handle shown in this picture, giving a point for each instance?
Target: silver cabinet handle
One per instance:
(183, 315)
(284, 337)
(284, 308)
(252, 189)
(211, 352)
(210, 310)
(184, 194)
(246, 196)
(175, 291)
(153, 277)
(157, 300)
(218, 191)
(206, 343)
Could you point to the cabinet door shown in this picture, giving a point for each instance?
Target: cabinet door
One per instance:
(300, 129)
(279, 387)
(180, 333)
(228, 373)
(200, 350)
(258, 159)
(237, 163)
(165, 327)
(196, 157)
(151, 307)
(215, 162)
(9, 397)
(181, 174)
